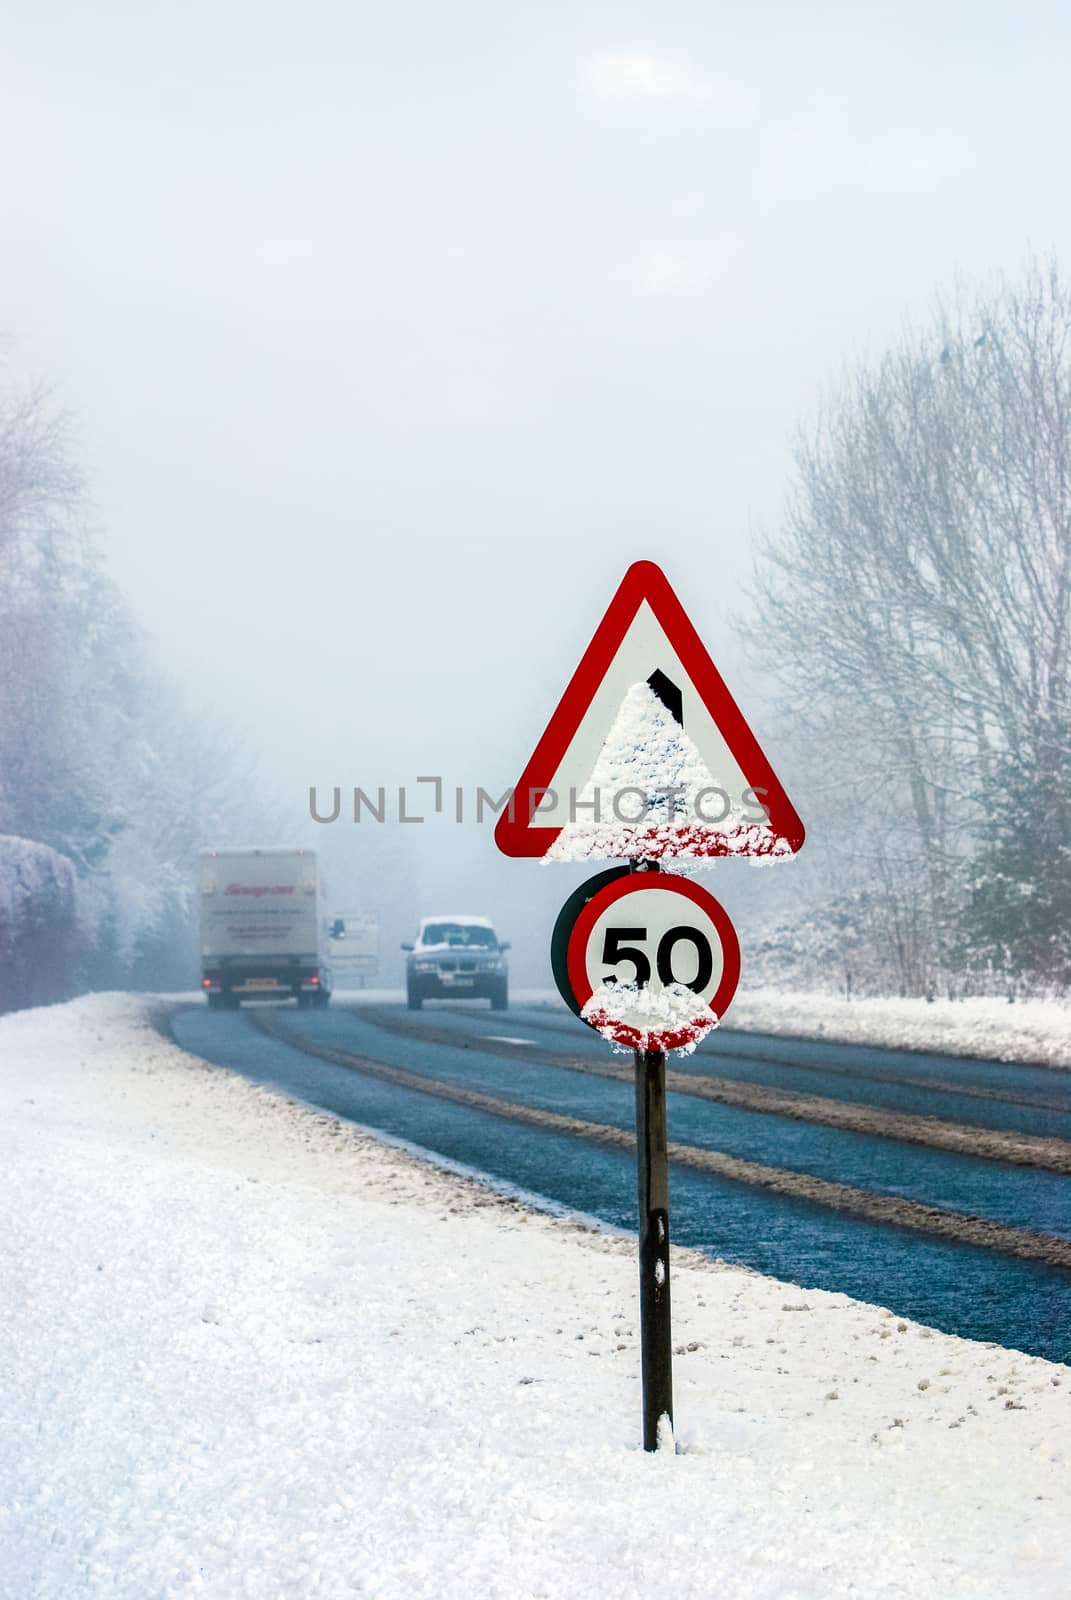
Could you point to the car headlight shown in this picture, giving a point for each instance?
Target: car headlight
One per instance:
(424, 966)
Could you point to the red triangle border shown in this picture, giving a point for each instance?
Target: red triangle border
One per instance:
(644, 580)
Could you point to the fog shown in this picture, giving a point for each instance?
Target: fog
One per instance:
(395, 334)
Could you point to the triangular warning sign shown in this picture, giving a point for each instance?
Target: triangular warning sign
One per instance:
(648, 754)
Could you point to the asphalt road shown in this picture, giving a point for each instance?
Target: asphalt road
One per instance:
(930, 1184)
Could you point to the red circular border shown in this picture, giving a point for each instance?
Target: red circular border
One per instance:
(576, 956)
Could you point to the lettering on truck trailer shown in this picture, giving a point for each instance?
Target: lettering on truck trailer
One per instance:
(257, 889)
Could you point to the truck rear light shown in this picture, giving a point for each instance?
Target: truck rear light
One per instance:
(314, 979)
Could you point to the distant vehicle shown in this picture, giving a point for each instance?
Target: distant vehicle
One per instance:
(263, 927)
(455, 957)
(354, 946)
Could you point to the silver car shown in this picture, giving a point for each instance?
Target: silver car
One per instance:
(457, 958)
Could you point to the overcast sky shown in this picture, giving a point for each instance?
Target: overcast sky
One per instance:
(396, 332)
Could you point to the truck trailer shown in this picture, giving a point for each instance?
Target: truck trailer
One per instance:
(263, 927)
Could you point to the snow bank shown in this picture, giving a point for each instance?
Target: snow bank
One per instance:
(1036, 1031)
(250, 1352)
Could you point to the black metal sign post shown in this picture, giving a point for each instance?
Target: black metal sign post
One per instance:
(656, 1341)
(656, 1345)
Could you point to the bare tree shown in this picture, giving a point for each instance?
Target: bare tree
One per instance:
(917, 603)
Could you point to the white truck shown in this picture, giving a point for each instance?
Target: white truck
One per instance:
(263, 926)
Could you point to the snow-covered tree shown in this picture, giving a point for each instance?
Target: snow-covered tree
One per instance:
(108, 785)
(916, 609)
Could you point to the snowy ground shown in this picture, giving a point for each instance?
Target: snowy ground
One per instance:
(1027, 1030)
(247, 1351)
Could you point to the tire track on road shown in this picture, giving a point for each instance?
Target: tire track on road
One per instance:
(960, 1227)
(1037, 1102)
(1045, 1153)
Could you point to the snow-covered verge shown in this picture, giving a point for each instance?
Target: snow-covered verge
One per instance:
(248, 1351)
(1028, 1030)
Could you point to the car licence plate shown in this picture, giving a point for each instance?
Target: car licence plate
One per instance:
(261, 983)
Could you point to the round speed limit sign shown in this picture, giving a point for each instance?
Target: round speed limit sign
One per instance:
(662, 943)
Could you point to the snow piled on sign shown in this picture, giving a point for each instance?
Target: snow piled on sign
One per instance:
(649, 795)
(643, 1017)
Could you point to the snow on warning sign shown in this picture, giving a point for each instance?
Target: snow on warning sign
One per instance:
(647, 755)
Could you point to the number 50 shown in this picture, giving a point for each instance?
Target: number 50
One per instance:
(615, 949)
